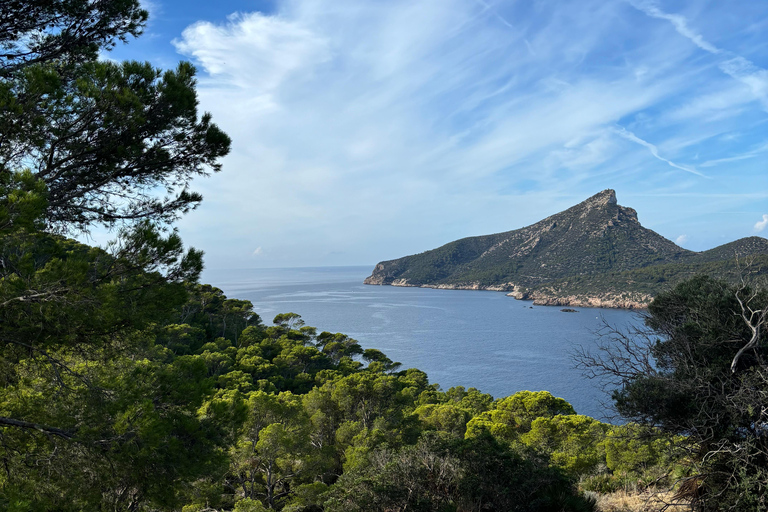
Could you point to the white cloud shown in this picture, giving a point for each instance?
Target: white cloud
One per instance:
(105, 56)
(761, 224)
(258, 251)
(253, 51)
(374, 129)
(681, 240)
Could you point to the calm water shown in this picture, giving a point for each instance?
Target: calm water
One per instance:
(459, 338)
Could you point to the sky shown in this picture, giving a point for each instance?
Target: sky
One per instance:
(367, 130)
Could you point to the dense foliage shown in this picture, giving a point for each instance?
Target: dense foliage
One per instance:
(699, 372)
(212, 410)
(63, 31)
(653, 279)
(94, 414)
(105, 139)
(278, 417)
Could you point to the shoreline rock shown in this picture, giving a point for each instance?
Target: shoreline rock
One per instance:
(607, 300)
(623, 300)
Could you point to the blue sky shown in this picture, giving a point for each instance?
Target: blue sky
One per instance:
(365, 130)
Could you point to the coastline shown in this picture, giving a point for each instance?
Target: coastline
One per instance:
(611, 300)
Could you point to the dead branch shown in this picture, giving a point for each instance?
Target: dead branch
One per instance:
(36, 426)
(755, 319)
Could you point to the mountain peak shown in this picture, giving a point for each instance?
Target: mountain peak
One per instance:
(604, 198)
(595, 236)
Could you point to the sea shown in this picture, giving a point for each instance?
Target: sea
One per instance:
(469, 338)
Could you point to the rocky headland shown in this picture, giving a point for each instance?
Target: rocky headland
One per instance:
(594, 254)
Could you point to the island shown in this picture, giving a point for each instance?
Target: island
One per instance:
(594, 254)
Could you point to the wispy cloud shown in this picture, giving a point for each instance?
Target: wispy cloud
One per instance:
(743, 156)
(374, 129)
(735, 66)
(750, 75)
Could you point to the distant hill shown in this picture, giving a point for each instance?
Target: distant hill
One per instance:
(593, 254)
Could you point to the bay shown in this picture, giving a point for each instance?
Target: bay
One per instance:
(467, 338)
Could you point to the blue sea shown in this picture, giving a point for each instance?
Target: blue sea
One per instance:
(467, 338)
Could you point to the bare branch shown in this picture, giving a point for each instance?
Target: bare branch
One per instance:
(36, 426)
(754, 319)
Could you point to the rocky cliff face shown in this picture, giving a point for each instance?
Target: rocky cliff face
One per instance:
(379, 276)
(593, 238)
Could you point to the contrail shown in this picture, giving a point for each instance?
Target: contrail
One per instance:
(623, 132)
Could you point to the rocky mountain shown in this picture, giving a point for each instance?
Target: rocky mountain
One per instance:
(595, 253)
